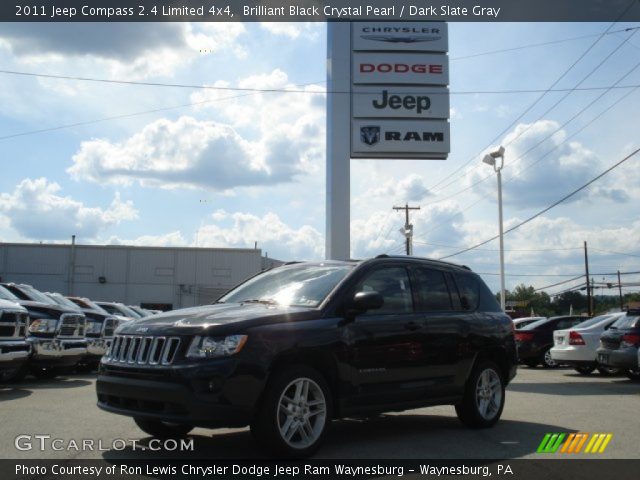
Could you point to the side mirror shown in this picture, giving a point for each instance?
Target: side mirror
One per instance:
(364, 301)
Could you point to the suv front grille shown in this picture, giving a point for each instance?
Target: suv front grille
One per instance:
(140, 350)
(71, 325)
(13, 324)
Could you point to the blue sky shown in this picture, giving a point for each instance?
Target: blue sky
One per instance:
(240, 166)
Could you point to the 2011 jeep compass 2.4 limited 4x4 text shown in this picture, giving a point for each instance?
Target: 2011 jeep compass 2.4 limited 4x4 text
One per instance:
(299, 345)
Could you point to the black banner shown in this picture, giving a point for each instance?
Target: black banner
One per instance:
(318, 10)
(551, 469)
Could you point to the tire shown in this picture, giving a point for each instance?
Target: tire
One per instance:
(547, 361)
(585, 369)
(295, 412)
(86, 367)
(608, 371)
(633, 375)
(162, 430)
(484, 397)
(44, 373)
(14, 375)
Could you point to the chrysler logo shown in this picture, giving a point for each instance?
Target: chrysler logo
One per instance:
(370, 134)
(392, 39)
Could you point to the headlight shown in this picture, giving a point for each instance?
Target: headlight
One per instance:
(94, 327)
(210, 347)
(43, 325)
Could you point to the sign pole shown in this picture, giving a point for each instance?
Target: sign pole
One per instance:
(338, 194)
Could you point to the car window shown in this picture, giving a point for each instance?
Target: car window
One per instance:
(393, 284)
(7, 295)
(566, 323)
(469, 290)
(432, 293)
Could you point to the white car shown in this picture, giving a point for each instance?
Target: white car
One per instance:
(577, 346)
(518, 323)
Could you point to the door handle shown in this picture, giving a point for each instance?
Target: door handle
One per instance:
(412, 326)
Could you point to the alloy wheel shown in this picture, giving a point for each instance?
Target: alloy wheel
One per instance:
(488, 394)
(302, 413)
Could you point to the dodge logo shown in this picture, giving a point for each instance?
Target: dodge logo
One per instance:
(370, 134)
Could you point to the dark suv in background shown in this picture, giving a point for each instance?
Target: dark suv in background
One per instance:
(299, 345)
(619, 345)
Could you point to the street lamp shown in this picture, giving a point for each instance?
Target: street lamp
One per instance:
(492, 159)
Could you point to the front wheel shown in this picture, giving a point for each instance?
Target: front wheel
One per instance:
(585, 369)
(45, 373)
(295, 412)
(162, 430)
(484, 397)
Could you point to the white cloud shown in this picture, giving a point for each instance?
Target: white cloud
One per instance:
(36, 211)
(411, 188)
(561, 166)
(171, 239)
(309, 30)
(280, 240)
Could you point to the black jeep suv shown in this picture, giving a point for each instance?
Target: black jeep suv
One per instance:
(299, 345)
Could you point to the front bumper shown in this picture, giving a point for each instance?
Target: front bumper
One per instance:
(622, 358)
(97, 347)
(57, 352)
(13, 354)
(212, 394)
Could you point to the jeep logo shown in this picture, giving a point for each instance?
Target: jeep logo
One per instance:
(408, 102)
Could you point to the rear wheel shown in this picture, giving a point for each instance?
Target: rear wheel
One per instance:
(160, 429)
(547, 360)
(633, 375)
(606, 371)
(295, 412)
(585, 369)
(483, 399)
(13, 375)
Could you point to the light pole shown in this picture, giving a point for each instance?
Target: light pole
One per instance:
(492, 159)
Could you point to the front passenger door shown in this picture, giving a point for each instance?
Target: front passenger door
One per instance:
(387, 352)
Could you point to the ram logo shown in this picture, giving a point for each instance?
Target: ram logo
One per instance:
(370, 134)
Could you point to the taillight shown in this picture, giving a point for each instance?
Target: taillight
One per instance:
(524, 336)
(630, 340)
(575, 338)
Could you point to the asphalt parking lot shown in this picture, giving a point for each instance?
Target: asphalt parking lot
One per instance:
(538, 402)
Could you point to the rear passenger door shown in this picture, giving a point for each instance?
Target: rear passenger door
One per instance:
(439, 307)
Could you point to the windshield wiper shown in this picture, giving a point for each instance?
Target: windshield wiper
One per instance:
(265, 301)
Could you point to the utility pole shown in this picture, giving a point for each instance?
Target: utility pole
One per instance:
(620, 292)
(586, 268)
(408, 228)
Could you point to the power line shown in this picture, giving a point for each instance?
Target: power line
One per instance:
(542, 44)
(544, 210)
(309, 92)
(585, 126)
(506, 250)
(535, 102)
(615, 253)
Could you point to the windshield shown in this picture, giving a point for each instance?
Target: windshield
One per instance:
(299, 285)
(7, 295)
(536, 324)
(36, 295)
(62, 301)
(628, 321)
(118, 310)
(86, 303)
(593, 321)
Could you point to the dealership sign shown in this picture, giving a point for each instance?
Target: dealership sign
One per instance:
(394, 36)
(400, 102)
(399, 95)
(400, 138)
